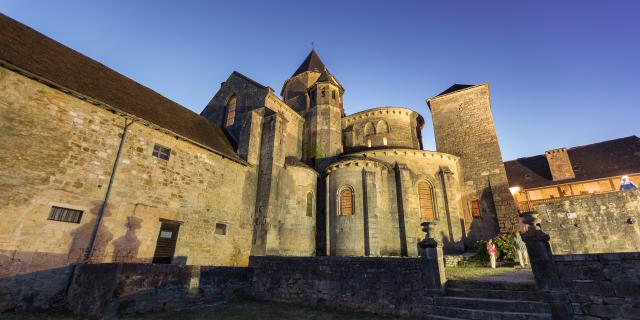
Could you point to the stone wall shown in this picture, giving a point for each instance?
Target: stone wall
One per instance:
(60, 150)
(397, 125)
(602, 286)
(463, 126)
(598, 223)
(114, 289)
(43, 289)
(400, 286)
(389, 178)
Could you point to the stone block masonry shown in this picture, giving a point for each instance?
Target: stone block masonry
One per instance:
(598, 223)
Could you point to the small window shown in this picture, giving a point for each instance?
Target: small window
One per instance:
(475, 209)
(333, 94)
(309, 204)
(323, 92)
(425, 195)
(369, 143)
(161, 152)
(65, 215)
(221, 229)
(166, 234)
(384, 141)
(346, 202)
(230, 111)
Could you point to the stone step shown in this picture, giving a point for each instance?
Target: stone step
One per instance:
(491, 285)
(499, 305)
(473, 314)
(495, 294)
(434, 317)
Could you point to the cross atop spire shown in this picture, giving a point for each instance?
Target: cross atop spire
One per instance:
(311, 63)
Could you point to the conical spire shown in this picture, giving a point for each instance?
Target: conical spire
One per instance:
(311, 63)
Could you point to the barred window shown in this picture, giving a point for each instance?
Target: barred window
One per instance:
(425, 194)
(65, 214)
(230, 112)
(346, 202)
(475, 209)
(161, 152)
(309, 204)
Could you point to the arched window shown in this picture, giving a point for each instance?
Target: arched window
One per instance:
(309, 204)
(425, 194)
(346, 201)
(382, 127)
(369, 129)
(230, 112)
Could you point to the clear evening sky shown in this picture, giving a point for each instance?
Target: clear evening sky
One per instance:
(562, 73)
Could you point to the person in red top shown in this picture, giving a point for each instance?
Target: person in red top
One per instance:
(493, 253)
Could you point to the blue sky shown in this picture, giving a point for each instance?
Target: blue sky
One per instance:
(562, 73)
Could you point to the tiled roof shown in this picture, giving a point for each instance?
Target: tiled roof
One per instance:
(29, 50)
(594, 161)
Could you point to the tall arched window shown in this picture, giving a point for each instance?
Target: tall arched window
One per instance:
(309, 204)
(346, 201)
(382, 127)
(230, 112)
(369, 129)
(425, 194)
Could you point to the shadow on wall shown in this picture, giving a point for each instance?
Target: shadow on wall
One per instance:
(38, 280)
(485, 226)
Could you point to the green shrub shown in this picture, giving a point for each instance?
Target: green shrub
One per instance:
(504, 244)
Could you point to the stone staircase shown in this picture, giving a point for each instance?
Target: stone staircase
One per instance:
(490, 300)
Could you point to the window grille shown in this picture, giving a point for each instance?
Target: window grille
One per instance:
(161, 152)
(65, 214)
(346, 202)
(475, 209)
(425, 194)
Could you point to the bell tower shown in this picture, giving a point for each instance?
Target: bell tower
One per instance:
(323, 137)
(316, 94)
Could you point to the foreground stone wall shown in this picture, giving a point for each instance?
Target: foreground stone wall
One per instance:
(598, 223)
(602, 286)
(114, 289)
(400, 286)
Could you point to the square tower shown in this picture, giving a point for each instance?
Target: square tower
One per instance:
(463, 126)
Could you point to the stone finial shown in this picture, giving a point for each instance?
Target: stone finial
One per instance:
(428, 241)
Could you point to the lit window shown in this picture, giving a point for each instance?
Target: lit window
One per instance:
(230, 112)
(346, 202)
(425, 195)
(384, 141)
(161, 152)
(369, 143)
(65, 215)
(475, 209)
(221, 229)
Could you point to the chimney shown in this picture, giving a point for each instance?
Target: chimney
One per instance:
(559, 164)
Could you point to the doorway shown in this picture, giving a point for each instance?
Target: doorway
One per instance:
(166, 244)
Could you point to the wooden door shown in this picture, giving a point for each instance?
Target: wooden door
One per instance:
(166, 245)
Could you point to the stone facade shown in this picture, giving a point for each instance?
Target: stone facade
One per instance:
(267, 184)
(464, 127)
(598, 223)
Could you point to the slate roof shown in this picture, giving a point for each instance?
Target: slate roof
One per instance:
(454, 88)
(311, 63)
(594, 161)
(27, 49)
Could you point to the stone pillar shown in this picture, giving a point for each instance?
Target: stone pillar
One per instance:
(430, 252)
(544, 268)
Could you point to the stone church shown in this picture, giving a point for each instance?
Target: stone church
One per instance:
(96, 167)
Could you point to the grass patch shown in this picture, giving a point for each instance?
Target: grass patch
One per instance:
(468, 273)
